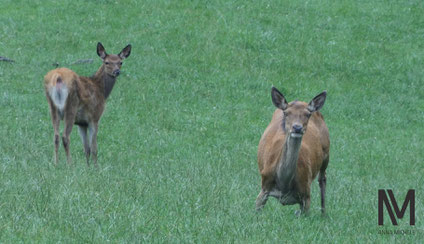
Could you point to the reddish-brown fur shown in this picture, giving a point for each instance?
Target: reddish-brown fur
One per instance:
(313, 154)
(81, 100)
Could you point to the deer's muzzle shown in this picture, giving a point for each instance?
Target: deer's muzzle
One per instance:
(116, 72)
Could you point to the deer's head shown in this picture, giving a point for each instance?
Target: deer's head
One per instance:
(297, 113)
(113, 62)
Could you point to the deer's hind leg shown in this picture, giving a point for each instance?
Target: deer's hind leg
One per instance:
(56, 122)
(69, 117)
(322, 180)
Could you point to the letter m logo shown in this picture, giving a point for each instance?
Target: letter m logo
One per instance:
(409, 199)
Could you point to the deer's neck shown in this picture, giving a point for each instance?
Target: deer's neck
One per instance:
(288, 163)
(106, 81)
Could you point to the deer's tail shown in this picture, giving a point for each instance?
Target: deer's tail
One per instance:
(58, 85)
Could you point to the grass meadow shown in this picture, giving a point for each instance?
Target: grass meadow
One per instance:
(178, 139)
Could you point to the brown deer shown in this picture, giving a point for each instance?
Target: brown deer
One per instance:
(81, 100)
(293, 149)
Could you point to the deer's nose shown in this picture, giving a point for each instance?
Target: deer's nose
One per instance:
(116, 72)
(297, 128)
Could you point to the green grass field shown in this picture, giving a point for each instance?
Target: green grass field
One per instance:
(178, 140)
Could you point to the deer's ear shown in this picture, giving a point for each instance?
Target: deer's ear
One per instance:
(278, 99)
(317, 102)
(125, 53)
(101, 51)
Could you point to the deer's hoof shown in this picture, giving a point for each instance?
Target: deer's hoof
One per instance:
(298, 213)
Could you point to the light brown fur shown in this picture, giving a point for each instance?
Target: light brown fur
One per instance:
(313, 156)
(84, 100)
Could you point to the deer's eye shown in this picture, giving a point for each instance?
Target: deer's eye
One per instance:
(120, 63)
(106, 63)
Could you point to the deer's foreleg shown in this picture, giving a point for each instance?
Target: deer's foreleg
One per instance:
(92, 130)
(84, 137)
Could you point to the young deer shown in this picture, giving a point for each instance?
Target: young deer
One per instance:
(81, 100)
(293, 149)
